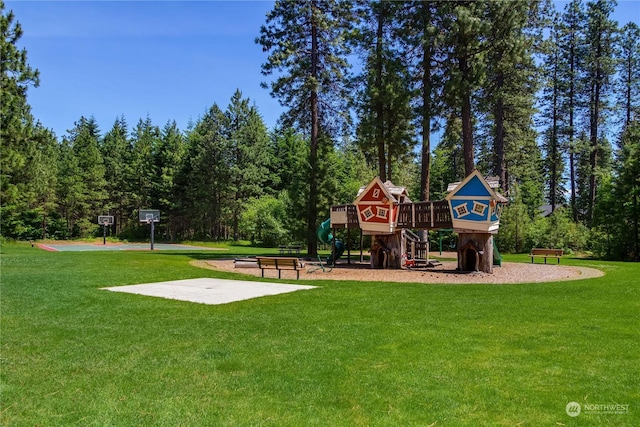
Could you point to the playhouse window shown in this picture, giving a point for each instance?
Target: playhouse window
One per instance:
(479, 208)
(382, 213)
(461, 210)
(367, 213)
(376, 193)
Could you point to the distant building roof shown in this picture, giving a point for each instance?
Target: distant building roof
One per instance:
(545, 210)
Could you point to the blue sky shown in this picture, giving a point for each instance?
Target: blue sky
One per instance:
(168, 60)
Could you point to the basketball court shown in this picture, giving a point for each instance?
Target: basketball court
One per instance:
(146, 216)
(84, 247)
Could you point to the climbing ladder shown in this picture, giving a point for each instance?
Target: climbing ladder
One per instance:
(418, 251)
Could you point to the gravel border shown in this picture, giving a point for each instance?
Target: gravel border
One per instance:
(509, 273)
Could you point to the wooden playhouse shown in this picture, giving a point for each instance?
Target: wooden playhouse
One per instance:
(475, 215)
(378, 207)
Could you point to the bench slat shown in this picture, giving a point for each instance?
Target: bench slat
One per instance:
(280, 263)
(546, 253)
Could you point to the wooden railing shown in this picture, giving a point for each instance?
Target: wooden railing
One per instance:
(425, 215)
(420, 215)
(349, 216)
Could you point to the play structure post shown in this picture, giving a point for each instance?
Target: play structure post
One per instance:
(333, 248)
(349, 246)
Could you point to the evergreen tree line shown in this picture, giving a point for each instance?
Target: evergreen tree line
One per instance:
(546, 100)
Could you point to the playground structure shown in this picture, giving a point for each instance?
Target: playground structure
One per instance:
(472, 209)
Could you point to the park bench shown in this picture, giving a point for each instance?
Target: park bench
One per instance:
(289, 249)
(280, 263)
(546, 253)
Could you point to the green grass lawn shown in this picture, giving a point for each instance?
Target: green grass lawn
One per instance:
(346, 354)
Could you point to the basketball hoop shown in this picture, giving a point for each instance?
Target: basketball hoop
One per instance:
(105, 221)
(149, 216)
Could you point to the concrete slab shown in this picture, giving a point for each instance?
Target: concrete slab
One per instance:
(208, 290)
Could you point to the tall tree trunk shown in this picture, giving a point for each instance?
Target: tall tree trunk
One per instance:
(636, 236)
(501, 169)
(593, 155)
(467, 128)
(312, 244)
(629, 80)
(553, 184)
(467, 135)
(379, 102)
(44, 225)
(425, 176)
(572, 166)
(390, 170)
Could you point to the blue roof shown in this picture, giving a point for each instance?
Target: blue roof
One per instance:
(474, 187)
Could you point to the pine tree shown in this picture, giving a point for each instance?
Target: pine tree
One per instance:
(448, 161)
(145, 138)
(554, 118)
(307, 46)
(202, 184)
(627, 192)
(249, 158)
(510, 84)
(89, 192)
(117, 154)
(582, 174)
(571, 46)
(69, 189)
(168, 158)
(292, 168)
(42, 166)
(515, 224)
(629, 73)
(16, 127)
(466, 30)
(386, 125)
(420, 27)
(599, 69)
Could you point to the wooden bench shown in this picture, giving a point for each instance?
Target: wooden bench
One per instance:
(280, 263)
(290, 249)
(546, 253)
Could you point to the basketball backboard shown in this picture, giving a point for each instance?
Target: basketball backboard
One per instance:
(149, 215)
(105, 219)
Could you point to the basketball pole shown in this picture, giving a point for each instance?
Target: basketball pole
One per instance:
(152, 228)
(104, 233)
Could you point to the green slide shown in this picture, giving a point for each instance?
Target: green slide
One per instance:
(325, 236)
(497, 258)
